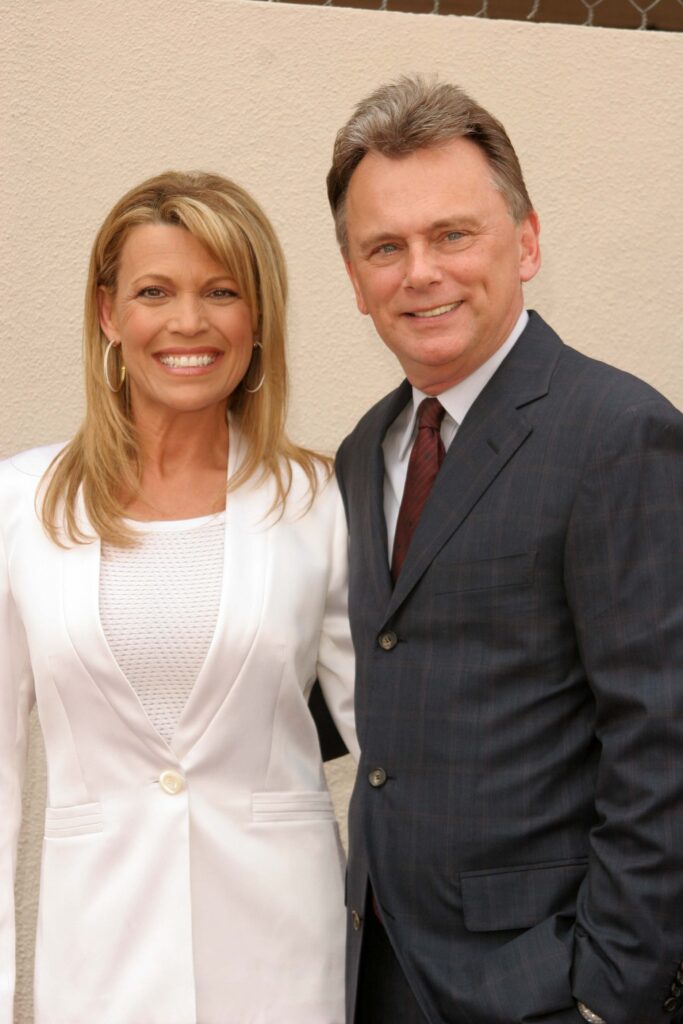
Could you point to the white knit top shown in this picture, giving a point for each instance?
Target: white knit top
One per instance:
(159, 604)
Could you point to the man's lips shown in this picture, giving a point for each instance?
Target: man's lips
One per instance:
(434, 311)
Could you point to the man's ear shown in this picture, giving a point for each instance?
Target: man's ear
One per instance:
(105, 311)
(529, 247)
(360, 302)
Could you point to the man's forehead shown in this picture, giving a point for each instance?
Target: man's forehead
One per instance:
(445, 187)
(457, 147)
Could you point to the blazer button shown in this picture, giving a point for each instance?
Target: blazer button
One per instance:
(171, 782)
(387, 641)
(356, 920)
(377, 777)
(676, 990)
(670, 1004)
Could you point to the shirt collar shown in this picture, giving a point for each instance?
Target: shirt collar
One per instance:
(458, 400)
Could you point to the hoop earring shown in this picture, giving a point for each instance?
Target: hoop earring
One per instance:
(122, 371)
(252, 391)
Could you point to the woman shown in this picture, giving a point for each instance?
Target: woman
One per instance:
(192, 872)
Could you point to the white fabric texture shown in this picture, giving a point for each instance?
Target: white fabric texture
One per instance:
(215, 860)
(158, 607)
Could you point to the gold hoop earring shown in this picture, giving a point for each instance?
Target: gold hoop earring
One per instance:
(252, 391)
(122, 371)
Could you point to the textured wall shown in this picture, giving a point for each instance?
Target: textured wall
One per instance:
(98, 95)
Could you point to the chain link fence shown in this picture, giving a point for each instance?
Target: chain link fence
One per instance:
(655, 15)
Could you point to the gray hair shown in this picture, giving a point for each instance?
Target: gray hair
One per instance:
(416, 113)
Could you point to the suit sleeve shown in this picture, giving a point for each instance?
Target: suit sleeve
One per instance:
(336, 662)
(624, 580)
(16, 700)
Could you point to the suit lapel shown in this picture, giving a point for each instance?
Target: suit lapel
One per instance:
(239, 617)
(372, 537)
(81, 595)
(248, 532)
(491, 433)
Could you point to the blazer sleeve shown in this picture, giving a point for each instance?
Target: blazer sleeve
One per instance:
(336, 662)
(624, 580)
(16, 700)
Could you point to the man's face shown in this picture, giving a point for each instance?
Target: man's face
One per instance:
(436, 259)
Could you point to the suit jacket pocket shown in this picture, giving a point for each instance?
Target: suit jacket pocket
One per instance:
(292, 806)
(519, 897)
(484, 573)
(78, 820)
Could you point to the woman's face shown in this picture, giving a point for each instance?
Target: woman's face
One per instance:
(185, 330)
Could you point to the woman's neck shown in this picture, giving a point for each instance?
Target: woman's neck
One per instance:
(184, 466)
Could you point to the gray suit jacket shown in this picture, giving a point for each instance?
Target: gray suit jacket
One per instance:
(519, 803)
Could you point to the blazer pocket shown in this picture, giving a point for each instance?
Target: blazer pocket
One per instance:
(520, 897)
(292, 806)
(79, 820)
(484, 573)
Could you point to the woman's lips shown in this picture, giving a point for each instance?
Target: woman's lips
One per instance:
(181, 361)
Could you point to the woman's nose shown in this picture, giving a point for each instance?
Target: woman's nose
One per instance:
(188, 315)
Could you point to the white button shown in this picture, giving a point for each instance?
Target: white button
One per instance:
(171, 782)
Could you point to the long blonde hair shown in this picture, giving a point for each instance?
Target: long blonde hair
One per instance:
(103, 460)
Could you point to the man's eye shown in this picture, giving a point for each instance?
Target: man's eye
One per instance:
(386, 249)
(454, 236)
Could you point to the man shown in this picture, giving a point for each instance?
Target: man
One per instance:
(516, 531)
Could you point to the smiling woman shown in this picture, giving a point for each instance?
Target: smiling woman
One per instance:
(186, 336)
(184, 265)
(172, 582)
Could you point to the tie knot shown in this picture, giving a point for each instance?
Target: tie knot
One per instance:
(430, 413)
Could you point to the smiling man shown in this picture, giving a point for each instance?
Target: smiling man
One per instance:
(516, 541)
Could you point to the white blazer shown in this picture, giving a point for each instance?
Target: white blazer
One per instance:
(199, 882)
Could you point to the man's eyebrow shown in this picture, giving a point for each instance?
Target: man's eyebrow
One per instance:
(371, 241)
(455, 221)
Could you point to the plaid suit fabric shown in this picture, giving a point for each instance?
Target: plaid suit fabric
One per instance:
(526, 848)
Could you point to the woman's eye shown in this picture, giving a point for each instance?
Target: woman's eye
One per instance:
(224, 293)
(151, 292)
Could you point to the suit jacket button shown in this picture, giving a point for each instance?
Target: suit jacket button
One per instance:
(171, 782)
(388, 640)
(377, 777)
(676, 990)
(356, 920)
(670, 1004)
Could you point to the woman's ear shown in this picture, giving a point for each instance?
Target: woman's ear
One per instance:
(106, 313)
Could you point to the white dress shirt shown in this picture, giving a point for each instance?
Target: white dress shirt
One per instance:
(457, 401)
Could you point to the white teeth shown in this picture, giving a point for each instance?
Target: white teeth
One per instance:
(177, 361)
(437, 311)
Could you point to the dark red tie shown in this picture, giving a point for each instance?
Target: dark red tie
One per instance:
(424, 463)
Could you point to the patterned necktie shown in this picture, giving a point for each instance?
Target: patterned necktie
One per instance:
(424, 463)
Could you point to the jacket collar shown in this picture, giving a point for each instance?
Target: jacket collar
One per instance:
(494, 428)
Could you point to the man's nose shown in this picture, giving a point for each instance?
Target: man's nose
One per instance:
(422, 266)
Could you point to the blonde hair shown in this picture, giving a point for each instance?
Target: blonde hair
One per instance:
(103, 460)
(416, 113)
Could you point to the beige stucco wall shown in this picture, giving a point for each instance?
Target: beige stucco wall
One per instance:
(97, 95)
